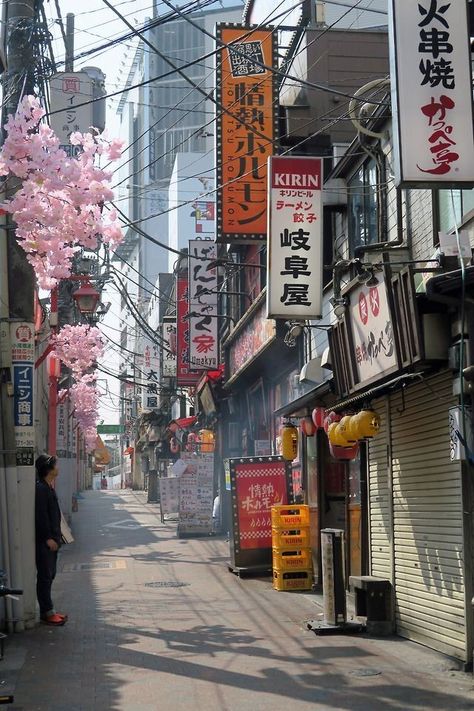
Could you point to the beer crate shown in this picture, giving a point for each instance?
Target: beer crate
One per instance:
(292, 580)
(291, 538)
(286, 560)
(290, 516)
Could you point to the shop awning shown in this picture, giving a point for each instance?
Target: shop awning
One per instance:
(447, 287)
(299, 406)
(378, 391)
(182, 423)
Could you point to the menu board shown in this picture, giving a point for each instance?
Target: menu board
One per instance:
(169, 495)
(196, 495)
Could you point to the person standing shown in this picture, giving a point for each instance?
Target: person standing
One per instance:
(48, 537)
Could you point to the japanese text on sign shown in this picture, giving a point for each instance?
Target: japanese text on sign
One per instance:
(295, 240)
(185, 375)
(203, 322)
(246, 131)
(433, 91)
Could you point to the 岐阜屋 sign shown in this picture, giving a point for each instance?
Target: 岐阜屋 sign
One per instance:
(431, 92)
(295, 246)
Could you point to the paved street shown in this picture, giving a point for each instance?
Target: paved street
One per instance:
(201, 638)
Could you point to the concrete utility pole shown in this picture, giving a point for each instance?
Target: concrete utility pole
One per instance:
(17, 290)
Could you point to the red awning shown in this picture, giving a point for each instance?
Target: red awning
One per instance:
(128, 450)
(182, 424)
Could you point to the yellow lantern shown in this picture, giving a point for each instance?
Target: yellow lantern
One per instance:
(367, 424)
(346, 429)
(336, 437)
(289, 441)
(208, 442)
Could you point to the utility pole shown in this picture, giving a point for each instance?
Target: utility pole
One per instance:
(17, 292)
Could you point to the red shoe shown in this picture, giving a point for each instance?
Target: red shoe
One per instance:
(65, 617)
(55, 620)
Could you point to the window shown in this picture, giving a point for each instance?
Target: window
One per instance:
(452, 208)
(365, 193)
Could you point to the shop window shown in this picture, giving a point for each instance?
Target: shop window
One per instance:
(366, 190)
(453, 207)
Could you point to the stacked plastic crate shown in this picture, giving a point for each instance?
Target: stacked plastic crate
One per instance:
(292, 561)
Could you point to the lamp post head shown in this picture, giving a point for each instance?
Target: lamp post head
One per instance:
(86, 298)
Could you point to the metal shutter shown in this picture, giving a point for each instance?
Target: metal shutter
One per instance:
(380, 500)
(427, 519)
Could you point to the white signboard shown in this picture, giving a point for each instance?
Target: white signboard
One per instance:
(196, 489)
(448, 245)
(372, 330)
(431, 92)
(457, 450)
(61, 430)
(168, 361)
(22, 336)
(295, 245)
(169, 495)
(150, 377)
(68, 90)
(203, 322)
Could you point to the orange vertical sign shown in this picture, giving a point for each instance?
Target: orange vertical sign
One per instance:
(247, 123)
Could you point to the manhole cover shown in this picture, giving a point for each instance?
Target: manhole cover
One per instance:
(365, 672)
(166, 584)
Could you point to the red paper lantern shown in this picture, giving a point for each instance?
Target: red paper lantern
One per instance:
(332, 417)
(54, 365)
(307, 426)
(344, 453)
(318, 415)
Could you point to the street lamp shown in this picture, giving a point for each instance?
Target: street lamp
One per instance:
(86, 298)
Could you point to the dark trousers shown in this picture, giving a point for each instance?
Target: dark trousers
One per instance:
(46, 561)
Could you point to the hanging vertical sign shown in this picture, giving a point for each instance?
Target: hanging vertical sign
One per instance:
(23, 363)
(61, 430)
(295, 245)
(247, 128)
(203, 321)
(431, 92)
(71, 107)
(185, 375)
(168, 358)
(150, 375)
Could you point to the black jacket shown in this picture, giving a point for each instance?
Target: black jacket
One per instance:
(47, 514)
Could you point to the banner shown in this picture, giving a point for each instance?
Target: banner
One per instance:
(295, 246)
(203, 321)
(168, 359)
(431, 92)
(23, 363)
(246, 129)
(68, 90)
(196, 495)
(169, 495)
(185, 375)
(257, 484)
(150, 375)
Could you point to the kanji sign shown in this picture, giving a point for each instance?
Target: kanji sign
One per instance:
(22, 344)
(185, 375)
(168, 360)
(295, 245)
(203, 322)
(68, 91)
(150, 375)
(375, 349)
(257, 484)
(431, 92)
(196, 488)
(246, 130)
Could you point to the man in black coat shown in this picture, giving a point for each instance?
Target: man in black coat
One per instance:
(48, 537)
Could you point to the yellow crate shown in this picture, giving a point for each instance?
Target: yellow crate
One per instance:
(291, 539)
(294, 580)
(286, 516)
(285, 560)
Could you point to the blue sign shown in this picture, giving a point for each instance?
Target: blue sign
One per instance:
(23, 397)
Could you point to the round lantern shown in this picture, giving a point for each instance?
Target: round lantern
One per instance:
(344, 453)
(346, 429)
(207, 439)
(336, 436)
(192, 442)
(308, 427)
(331, 419)
(289, 442)
(367, 424)
(54, 365)
(318, 415)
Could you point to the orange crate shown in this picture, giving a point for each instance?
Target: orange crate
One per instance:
(291, 539)
(292, 560)
(293, 580)
(286, 516)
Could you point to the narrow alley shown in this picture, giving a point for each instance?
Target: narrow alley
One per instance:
(157, 623)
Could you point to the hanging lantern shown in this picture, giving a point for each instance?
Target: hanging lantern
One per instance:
(289, 441)
(330, 419)
(208, 442)
(318, 415)
(346, 429)
(344, 453)
(307, 426)
(54, 365)
(336, 436)
(367, 424)
(192, 442)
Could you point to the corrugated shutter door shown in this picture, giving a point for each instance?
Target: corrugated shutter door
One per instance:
(427, 515)
(379, 502)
